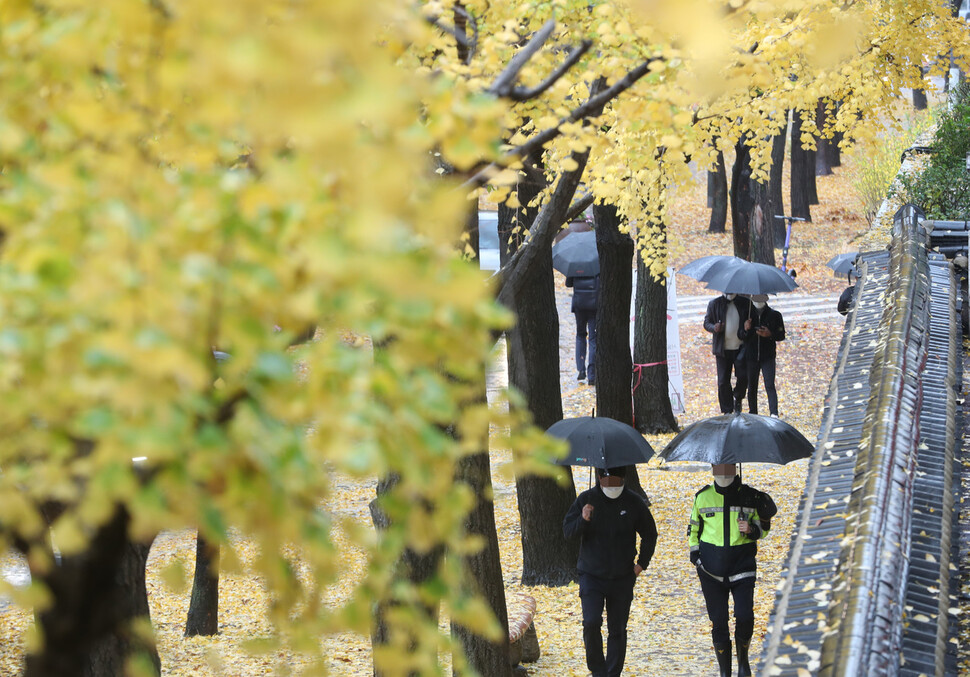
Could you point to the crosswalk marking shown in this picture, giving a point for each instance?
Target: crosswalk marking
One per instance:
(800, 307)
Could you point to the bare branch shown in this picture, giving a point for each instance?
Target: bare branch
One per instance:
(458, 35)
(577, 208)
(466, 45)
(505, 82)
(574, 55)
(593, 107)
(552, 215)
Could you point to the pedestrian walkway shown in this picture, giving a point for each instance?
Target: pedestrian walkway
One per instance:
(794, 307)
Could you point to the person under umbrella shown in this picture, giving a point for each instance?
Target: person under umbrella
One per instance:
(728, 517)
(726, 522)
(576, 257)
(761, 332)
(723, 320)
(585, 300)
(607, 519)
(845, 264)
(848, 294)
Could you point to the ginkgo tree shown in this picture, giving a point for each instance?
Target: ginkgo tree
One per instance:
(179, 178)
(718, 75)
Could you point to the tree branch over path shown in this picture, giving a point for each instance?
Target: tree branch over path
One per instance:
(552, 215)
(591, 108)
(504, 85)
(466, 45)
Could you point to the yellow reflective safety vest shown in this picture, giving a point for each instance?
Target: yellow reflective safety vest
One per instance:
(717, 546)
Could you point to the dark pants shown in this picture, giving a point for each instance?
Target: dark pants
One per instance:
(616, 595)
(767, 369)
(727, 396)
(586, 330)
(716, 597)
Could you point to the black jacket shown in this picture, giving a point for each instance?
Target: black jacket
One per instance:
(608, 543)
(586, 291)
(717, 312)
(760, 348)
(845, 300)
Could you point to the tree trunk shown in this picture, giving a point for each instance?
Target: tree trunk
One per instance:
(484, 567)
(415, 568)
(741, 200)
(760, 225)
(474, 234)
(778, 142)
(203, 616)
(835, 147)
(799, 181)
(533, 367)
(651, 400)
(718, 196)
(751, 205)
(97, 597)
(614, 364)
(811, 185)
(919, 99)
(822, 152)
(533, 350)
(110, 656)
(514, 221)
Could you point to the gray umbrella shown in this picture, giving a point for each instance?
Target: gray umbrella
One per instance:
(751, 278)
(704, 268)
(601, 442)
(576, 255)
(843, 264)
(738, 438)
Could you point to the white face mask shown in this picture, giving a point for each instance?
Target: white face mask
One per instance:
(759, 304)
(730, 297)
(612, 492)
(724, 480)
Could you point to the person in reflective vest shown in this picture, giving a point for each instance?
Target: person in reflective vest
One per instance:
(726, 522)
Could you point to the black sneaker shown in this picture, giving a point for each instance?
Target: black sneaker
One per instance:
(582, 376)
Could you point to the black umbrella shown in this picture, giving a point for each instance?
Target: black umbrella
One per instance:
(843, 264)
(704, 268)
(751, 278)
(576, 256)
(738, 438)
(601, 442)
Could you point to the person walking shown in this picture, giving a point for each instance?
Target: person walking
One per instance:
(585, 299)
(723, 319)
(761, 331)
(726, 522)
(847, 296)
(607, 520)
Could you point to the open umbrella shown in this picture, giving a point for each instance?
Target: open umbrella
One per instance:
(843, 264)
(704, 268)
(575, 255)
(601, 442)
(738, 438)
(751, 278)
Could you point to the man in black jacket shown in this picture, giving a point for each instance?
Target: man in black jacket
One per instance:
(760, 332)
(607, 518)
(723, 319)
(585, 299)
